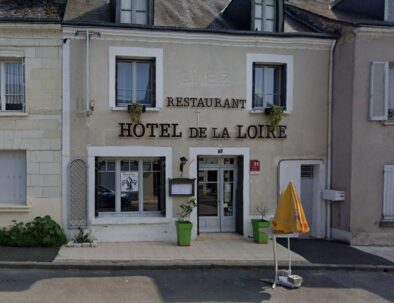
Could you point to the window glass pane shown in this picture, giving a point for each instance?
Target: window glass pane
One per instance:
(208, 199)
(141, 5)
(141, 18)
(151, 191)
(391, 95)
(14, 91)
(257, 11)
(269, 26)
(269, 86)
(129, 183)
(257, 25)
(258, 1)
(258, 86)
(105, 187)
(13, 177)
(269, 12)
(123, 83)
(125, 4)
(144, 85)
(125, 17)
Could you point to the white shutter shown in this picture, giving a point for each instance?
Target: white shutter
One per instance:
(379, 91)
(12, 177)
(388, 195)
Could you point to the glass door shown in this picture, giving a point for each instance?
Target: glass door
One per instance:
(208, 199)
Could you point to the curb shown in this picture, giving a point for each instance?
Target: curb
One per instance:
(185, 264)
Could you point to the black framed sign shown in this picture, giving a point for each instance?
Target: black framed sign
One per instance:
(181, 187)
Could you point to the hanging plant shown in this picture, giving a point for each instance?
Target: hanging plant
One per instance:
(275, 115)
(135, 110)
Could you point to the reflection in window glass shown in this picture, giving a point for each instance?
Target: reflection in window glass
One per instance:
(105, 187)
(129, 181)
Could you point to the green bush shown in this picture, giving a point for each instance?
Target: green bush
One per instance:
(41, 232)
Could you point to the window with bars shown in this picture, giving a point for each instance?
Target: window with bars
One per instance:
(134, 12)
(12, 85)
(135, 82)
(269, 85)
(265, 15)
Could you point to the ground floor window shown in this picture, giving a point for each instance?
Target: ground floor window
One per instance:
(12, 177)
(130, 186)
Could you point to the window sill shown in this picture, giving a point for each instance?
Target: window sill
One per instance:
(388, 123)
(116, 220)
(13, 114)
(261, 111)
(386, 223)
(124, 109)
(14, 208)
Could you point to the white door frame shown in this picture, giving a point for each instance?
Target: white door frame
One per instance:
(290, 170)
(194, 152)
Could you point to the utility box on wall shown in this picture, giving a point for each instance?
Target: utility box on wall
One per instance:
(333, 195)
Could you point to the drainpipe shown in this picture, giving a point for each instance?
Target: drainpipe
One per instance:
(89, 104)
(329, 135)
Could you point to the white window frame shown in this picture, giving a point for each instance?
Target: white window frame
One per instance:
(127, 152)
(133, 12)
(136, 53)
(263, 17)
(3, 98)
(118, 170)
(269, 59)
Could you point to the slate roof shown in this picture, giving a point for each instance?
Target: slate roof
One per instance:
(24, 10)
(322, 8)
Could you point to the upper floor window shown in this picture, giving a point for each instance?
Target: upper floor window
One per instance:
(135, 82)
(269, 85)
(264, 15)
(12, 85)
(389, 11)
(381, 99)
(134, 11)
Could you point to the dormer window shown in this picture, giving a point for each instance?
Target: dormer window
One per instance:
(264, 15)
(134, 12)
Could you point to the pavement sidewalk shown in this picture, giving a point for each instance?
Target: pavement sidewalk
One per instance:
(212, 250)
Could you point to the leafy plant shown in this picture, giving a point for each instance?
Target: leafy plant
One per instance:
(275, 116)
(135, 110)
(262, 209)
(186, 210)
(42, 231)
(82, 237)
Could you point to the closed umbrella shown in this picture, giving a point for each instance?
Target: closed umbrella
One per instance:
(289, 221)
(289, 216)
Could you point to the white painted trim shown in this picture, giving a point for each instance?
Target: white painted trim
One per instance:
(341, 235)
(318, 229)
(194, 152)
(127, 151)
(135, 52)
(65, 130)
(270, 59)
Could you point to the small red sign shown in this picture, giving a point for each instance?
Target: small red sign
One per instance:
(254, 166)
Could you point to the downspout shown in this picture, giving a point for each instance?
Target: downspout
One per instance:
(329, 135)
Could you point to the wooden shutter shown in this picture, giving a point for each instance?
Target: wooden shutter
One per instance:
(379, 91)
(388, 195)
(283, 86)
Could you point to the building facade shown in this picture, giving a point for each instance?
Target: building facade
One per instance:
(362, 115)
(30, 111)
(206, 73)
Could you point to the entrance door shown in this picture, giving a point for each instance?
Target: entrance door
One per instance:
(216, 194)
(307, 193)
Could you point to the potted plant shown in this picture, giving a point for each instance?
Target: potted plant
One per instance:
(183, 225)
(260, 237)
(135, 110)
(275, 114)
(82, 239)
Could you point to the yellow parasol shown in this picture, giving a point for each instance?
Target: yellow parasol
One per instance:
(289, 216)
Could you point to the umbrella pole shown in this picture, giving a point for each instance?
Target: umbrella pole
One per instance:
(288, 248)
(276, 263)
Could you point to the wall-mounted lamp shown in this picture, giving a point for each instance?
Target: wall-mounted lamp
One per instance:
(183, 162)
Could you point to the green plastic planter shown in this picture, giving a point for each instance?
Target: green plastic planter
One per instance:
(259, 237)
(184, 232)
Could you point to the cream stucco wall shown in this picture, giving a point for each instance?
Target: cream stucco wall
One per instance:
(193, 66)
(38, 132)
